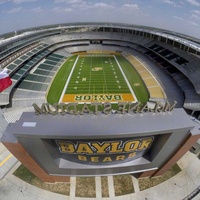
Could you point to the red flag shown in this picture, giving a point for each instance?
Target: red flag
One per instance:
(5, 80)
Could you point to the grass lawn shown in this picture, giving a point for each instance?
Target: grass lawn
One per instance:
(24, 174)
(104, 186)
(123, 185)
(85, 186)
(145, 183)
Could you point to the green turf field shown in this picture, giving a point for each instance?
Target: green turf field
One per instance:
(97, 74)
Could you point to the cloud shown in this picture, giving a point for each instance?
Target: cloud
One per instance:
(193, 23)
(69, 1)
(68, 10)
(37, 10)
(62, 10)
(22, 1)
(193, 2)
(58, 9)
(103, 5)
(177, 17)
(132, 7)
(84, 5)
(195, 17)
(4, 1)
(197, 12)
(90, 5)
(14, 10)
(173, 3)
(16, 1)
(169, 2)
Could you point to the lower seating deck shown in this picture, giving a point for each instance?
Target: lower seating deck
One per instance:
(154, 88)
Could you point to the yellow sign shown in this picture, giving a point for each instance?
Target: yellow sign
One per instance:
(104, 151)
(104, 147)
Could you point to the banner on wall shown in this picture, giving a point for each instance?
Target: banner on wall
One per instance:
(103, 151)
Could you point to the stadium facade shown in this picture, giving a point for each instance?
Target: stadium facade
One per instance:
(55, 147)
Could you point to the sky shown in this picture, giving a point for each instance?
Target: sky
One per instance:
(182, 16)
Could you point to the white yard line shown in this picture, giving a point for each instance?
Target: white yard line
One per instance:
(104, 78)
(127, 82)
(90, 75)
(67, 82)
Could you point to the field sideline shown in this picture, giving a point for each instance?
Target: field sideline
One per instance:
(97, 77)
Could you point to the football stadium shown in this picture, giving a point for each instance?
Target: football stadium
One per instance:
(99, 99)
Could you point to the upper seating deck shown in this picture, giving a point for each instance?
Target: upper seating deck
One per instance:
(18, 42)
(184, 62)
(187, 63)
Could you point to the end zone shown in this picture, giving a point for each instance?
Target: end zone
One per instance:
(112, 98)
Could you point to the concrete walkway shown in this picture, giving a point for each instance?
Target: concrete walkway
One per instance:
(176, 188)
(7, 161)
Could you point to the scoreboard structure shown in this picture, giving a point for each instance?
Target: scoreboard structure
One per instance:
(55, 147)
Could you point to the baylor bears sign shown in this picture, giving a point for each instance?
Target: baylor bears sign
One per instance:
(92, 145)
(104, 151)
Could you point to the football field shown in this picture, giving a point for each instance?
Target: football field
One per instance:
(96, 78)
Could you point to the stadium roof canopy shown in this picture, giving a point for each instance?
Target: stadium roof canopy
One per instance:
(178, 37)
